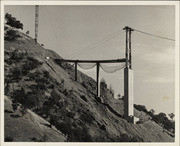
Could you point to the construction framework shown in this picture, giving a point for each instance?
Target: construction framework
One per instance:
(98, 62)
(128, 74)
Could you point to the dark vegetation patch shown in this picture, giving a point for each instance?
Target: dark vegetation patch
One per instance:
(13, 22)
(87, 117)
(158, 118)
(11, 35)
(83, 98)
(103, 127)
(8, 111)
(23, 64)
(8, 139)
(15, 116)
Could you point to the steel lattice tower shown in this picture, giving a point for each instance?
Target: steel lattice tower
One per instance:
(36, 22)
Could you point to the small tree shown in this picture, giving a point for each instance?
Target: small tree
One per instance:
(171, 115)
(27, 32)
(152, 111)
(119, 96)
(11, 21)
(11, 35)
(103, 83)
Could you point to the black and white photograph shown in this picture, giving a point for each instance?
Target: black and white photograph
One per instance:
(102, 72)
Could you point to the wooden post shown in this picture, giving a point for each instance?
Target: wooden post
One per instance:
(97, 77)
(76, 71)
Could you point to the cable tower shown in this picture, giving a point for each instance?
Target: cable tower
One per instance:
(128, 79)
(36, 22)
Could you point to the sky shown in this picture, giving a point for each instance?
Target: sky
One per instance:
(69, 29)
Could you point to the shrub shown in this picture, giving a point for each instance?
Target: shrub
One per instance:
(139, 122)
(16, 74)
(46, 74)
(29, 100)
(70, 114)
(14, 105)
(98, 99)
(103, 84)
(84, 98)
(33, 63)
(171, 115)
(103, 127)
(18, 95)
(140, 108)
(11, 35)
(84, 84)
(16, 57)
(162, 119)
(87, 117)
(62, 81)
(65, 92)
(11, 21)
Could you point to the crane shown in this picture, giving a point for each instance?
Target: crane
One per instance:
(36, 22)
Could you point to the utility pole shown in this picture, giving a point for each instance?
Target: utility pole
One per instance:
(36, 22)
(128, 79)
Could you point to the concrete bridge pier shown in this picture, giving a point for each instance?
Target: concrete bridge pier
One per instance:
(128, 95)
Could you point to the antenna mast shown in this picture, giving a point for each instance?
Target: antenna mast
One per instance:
(36, 22)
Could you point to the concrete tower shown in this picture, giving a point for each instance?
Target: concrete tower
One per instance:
(128, 80)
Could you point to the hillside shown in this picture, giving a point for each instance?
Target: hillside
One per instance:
(48, 105)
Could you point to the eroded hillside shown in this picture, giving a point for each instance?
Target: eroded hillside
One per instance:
(38, 86)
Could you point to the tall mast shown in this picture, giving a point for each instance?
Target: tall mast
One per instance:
(36, 22)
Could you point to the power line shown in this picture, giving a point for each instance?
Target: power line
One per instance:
(154, 35)
(92, 46)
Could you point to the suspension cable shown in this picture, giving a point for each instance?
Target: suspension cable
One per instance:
(90, 47)
(162, 37)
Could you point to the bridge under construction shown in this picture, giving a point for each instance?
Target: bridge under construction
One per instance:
(126, 64)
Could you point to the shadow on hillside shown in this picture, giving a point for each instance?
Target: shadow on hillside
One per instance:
(7, 111)
(15, 116)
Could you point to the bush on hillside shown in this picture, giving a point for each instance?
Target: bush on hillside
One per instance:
(84, 98)
(27, 100)
(103, 84)
(162, 119)
(141, 108)
(11, 35)
(13, 22)
(87, 117)
(16, 74)
(16, 57)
